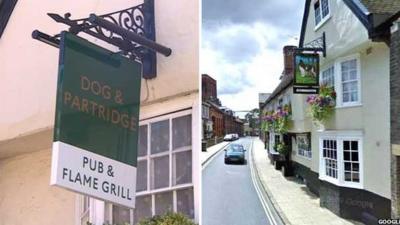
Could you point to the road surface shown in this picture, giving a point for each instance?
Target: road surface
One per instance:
(228, 194)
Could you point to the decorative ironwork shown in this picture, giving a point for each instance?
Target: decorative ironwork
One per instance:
(317, 45)
(137, 19)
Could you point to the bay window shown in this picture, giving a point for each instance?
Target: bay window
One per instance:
(341, 158)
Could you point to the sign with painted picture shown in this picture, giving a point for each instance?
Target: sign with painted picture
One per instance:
(306, 73)
(96, 124)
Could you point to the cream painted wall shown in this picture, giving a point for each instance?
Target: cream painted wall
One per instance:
(343, 30)
(26, 196)
(28, 68)
(345, 35)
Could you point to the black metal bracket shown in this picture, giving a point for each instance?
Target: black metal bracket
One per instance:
(132, 30)
(317, 45)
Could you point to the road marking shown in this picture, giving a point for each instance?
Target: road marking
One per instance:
(263, 201)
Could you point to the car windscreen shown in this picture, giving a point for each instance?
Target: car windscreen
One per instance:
(235, 148)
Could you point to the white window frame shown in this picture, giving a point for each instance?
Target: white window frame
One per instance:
(323, 19)
(341, 136)
(297, 146)
(98, 209)
(330, 66)
(338, 82)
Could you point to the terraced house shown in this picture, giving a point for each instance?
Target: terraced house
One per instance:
(346, 159)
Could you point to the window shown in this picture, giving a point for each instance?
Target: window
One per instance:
(164, 171)
(321, 12)
(341, 158)
(303, 145)
(85, 209)
(349, 81)
(351, 161)
(329, 149)
(6, 8)
(328, 77)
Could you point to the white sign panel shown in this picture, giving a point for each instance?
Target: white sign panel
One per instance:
(92, 174)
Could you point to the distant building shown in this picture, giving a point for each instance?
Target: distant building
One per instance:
(208, 87)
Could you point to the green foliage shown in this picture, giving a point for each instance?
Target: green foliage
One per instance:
(322, 105)
(168, 218)
(282, 148)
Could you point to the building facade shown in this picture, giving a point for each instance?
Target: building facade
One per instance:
(168, 170)
(346, 161)
(208, 87)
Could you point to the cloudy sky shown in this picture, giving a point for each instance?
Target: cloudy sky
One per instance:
(242, 46)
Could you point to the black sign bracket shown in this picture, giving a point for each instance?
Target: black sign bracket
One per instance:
(132, 30)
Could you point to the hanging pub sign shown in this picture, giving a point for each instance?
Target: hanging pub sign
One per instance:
(96, 124)
(306, 73)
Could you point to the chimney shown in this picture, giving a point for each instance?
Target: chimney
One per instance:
(288, 57)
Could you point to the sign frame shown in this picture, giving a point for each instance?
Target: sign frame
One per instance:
(95, 148)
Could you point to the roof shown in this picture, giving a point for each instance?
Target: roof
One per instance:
(262, 97)
(286, 81)
(389, 7)
(376, 16)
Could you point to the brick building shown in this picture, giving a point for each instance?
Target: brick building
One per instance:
(217, 118)
(208, 87)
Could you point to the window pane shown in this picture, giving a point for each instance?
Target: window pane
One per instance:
(160, 172)
(347, 166)
(353, 97)
(354, 145)
(183, 167)
(317, 12)
(121, 215)
(346, 155)
(347, 176)
(354, 156)
(346, 145)
(141, 181)
(356, 167)
(182, 131)
(185, 203)
(142, 208)
(142, 141)
(325, 8)
(160, 136)
(346, 97)
(163, 203)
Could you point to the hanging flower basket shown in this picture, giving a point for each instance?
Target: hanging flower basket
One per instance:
(322, 105)
(278, 121)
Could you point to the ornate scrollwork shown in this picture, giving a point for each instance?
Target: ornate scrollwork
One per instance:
(317, 43)
(138, 19)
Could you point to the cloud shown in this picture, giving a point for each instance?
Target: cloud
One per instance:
(281, 12)
(242, 45)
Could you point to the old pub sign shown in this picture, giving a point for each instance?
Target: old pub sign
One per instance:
(306, 73)
(96, 122)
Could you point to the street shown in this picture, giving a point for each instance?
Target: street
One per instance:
(229, 197)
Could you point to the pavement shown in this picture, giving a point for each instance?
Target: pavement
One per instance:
(290, 198)
(229, 196)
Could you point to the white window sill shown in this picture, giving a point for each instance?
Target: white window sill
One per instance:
(340, 184)
(350, 105)
(322, 22)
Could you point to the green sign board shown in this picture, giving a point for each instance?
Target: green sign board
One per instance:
(96, 124)
(306, 71)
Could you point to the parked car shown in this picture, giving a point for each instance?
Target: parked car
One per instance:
(235, 153)
(236, 136)
(229, 137)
